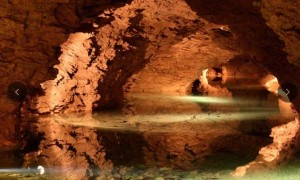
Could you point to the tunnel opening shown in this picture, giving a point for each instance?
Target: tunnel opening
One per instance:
(252, 91)
(195, 86)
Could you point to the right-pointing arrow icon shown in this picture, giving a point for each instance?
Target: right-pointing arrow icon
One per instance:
(288, 92)
(16, 91)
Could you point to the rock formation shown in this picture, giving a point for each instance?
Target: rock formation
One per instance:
(85, 55)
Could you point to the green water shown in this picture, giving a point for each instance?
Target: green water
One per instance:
(218, 166)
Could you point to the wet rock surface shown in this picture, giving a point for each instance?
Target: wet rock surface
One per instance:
(149, 141)
(31, 34)
(91, 148)
(94, 55)
(73, 151)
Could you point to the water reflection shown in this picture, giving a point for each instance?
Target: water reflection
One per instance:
(156, 135)
(81, 145)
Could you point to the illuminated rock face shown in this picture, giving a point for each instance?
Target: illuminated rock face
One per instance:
(94, 66)
(285, 136)
(184, 34)
(283, 18)
(107, 57)
(62, 149)
(31, 34)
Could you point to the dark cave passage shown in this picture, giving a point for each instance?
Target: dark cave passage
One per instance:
(251, 33)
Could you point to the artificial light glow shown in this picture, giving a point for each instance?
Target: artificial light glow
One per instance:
(204, 79)
(140, 97)
(216, 100)
(272, 85)
(13, 170)
(161, 122)
(205, 99)
(41, 170)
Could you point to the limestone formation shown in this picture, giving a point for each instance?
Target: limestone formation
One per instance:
(86, 55)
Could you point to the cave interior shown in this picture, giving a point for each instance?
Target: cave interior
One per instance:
(149, 89)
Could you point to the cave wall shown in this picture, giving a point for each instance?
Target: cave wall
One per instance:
(30, 51)
(41, 27)
(29, 44)
(240, 28)
(95, 65)
(30, 38)
(90, 55)
(283, 18)
(63, 149)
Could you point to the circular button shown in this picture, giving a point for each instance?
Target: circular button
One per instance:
(288, 92)
(17, 91)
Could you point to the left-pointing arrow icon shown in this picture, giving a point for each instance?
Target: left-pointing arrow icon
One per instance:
(17, 92)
